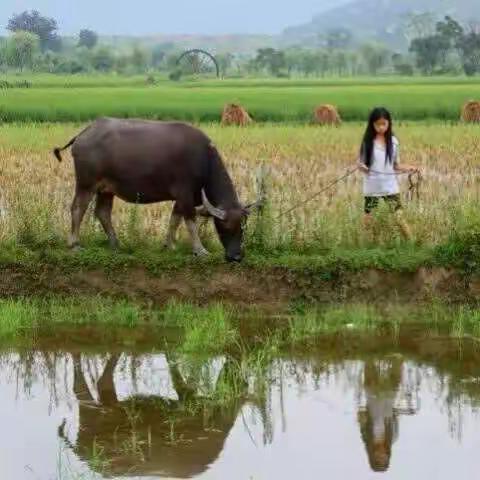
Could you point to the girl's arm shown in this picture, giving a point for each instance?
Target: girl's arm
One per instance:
(362, 167)
(402, 168)
(405, 168)
(361, 163)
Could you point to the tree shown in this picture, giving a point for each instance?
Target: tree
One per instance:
(451, 30)
(139, 58)
(375, 57)
(32, 22)
(87, 38)
(340, 62)
(354, 63)
(323, 61)
(292, 60)
(430, 52)
(225, 61)
(271, 59)
(103, 59)
(3, 52)
(68, 65)
(21, 48)
(171, 60)
(402, 65)
(308, 63)
(469, 48)
(158, 56)
(419, 25)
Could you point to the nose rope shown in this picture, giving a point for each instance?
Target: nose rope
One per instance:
(328, 187)
(413, 187)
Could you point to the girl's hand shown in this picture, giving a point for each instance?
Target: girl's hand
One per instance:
(363, 168)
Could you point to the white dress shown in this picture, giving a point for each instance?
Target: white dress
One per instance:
(381, 181)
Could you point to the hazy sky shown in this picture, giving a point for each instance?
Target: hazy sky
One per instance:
(136, 17)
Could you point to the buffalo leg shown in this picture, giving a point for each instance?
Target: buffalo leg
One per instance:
(103, 211)
(79, 207)
(175, 220)
(186, 208)
(198, 248)
(106, 386)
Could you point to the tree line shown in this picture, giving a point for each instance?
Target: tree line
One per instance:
(443, 47)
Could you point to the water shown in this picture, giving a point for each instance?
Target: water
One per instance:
(395, 407)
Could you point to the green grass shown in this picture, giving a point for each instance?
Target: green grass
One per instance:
(459, 251)
(27, 314)
(309, 323)
(207, 329)
(154, 259)
(266, 100)
(47, 80)
(220, 328)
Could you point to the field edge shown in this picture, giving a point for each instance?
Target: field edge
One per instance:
(272, 289)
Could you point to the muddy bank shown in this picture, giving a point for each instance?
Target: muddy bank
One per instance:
(272, 288)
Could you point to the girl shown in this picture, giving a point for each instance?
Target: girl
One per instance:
(379, 160)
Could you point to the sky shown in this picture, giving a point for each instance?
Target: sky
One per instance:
(143, 17)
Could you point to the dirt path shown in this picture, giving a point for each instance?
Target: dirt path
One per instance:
(273, 289)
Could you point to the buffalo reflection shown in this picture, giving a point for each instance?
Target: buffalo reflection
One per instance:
(155, 435)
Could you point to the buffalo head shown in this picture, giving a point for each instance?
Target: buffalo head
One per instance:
(229, 224)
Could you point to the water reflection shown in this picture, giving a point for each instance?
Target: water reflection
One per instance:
(386, 400)
(178, 434)
(163, 414)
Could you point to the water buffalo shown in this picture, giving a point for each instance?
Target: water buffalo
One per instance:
(145, 162)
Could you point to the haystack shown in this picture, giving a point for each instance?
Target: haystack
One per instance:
(234, 114)
(327, 115)
(471, 112)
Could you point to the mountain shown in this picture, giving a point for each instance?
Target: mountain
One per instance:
(383, 20)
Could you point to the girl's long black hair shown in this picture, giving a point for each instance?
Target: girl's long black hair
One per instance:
(366, 150)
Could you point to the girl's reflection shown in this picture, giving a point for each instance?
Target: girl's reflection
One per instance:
(378, 420)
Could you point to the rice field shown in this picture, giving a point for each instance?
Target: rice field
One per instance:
(82, 99)
(48, 80)
(299, 161)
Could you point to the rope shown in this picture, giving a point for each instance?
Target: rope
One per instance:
(413, 186)
(415, 180)
(315, 195)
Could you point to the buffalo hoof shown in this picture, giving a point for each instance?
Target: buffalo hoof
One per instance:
(234, 259)
(201, 253)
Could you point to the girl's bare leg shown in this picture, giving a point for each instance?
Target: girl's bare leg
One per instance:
(403, 225)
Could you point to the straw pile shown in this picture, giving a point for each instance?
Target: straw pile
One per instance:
(234, 114)
(327, 115)
(471, 112)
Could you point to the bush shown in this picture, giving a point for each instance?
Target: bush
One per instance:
(463, 247)
(404, 69)
(176, 75)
